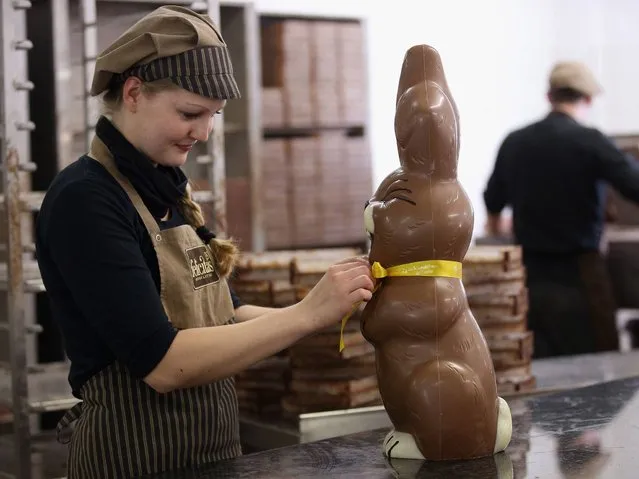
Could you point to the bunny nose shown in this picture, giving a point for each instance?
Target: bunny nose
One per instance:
(369, 223)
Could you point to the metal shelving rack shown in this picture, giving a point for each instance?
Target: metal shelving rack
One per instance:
(25, 383)
(14, 158)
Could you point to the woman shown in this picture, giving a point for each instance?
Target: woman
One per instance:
(138, 284)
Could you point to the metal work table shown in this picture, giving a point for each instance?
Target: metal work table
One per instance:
(555, 374)
(584, 432)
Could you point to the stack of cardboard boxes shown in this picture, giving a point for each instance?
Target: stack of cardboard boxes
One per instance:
(352, 71)
(313, 73)
(278, 223)
(316, 163)
(314, 191)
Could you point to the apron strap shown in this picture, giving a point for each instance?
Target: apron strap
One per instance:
(64, 428)
(101, 153)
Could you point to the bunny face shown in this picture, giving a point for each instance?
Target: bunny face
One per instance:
(420, 211)
(398, 214)
(406, 223)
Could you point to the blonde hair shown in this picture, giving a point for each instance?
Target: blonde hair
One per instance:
(225, 251)
(112, 98)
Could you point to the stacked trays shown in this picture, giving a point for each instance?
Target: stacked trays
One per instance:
(322, 377)
(260, 388)
(494, 278)
(313, 375)
(266, 279)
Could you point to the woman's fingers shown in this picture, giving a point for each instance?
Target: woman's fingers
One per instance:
(349, 262)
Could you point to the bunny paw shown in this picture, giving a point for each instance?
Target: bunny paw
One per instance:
(504, 426)
(401, 445)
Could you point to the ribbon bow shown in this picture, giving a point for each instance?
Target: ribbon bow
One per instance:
(432, 268)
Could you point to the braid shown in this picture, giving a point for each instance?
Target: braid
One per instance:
(225, 251)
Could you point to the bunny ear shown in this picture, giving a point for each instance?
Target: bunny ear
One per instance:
(426, 119)
(421, 63)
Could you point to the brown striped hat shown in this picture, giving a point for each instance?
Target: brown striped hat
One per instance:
(172, 43)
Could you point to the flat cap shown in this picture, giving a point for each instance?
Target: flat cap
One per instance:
(574, 75)
(175, 43)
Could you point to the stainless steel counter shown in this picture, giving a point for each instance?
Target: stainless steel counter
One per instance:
(587, 432)
(553, 375)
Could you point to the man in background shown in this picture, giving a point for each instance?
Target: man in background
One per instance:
(553, 174)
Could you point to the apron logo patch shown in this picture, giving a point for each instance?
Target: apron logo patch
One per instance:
(202, 267)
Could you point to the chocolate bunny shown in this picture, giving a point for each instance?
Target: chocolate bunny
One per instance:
(435, 372)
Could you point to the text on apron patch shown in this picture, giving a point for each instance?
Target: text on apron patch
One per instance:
(202, 266)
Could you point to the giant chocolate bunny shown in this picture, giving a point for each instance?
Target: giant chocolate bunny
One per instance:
(435, 372)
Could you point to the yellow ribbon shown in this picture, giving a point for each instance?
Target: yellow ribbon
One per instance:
(432, 268)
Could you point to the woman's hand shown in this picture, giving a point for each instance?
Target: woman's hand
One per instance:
(344, 285)
(202, 355)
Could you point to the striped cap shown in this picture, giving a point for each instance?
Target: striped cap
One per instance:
(172, 43)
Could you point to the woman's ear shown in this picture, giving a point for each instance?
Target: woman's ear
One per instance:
(131, 93)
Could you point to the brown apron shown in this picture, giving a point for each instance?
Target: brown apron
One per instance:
(571, 304)
(124, 428)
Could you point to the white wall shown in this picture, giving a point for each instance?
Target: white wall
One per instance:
(496, 54)
(620, 66)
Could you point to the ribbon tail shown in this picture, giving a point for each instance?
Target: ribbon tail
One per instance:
(341, 334)
(348, 316)
(344, 321)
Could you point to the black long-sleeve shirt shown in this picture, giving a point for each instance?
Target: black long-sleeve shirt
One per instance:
(553, 175)
(101, 274)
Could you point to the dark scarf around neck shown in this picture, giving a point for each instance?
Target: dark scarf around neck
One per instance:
(160, 187)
